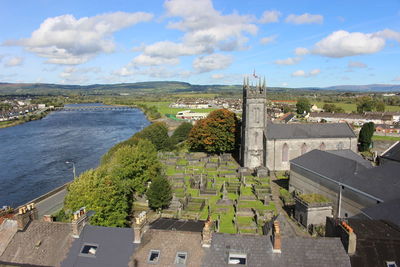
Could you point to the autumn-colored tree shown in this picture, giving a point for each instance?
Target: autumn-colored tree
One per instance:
(217, 133)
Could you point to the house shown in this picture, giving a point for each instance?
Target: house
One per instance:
(347, 180)
(392, 154)
(190, 115)
(387, 128)
(369, 243)
(352, 118)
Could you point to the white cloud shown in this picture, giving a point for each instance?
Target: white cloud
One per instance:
(67, 40)
(397, 79)
(356, 64)
(315, 72)
(268, 39)
(205, 30)
(388, 34)
(301, 51)
(14, 62)
(302, 73)
(343, 44)
(270, 16)
(305, 18)
(299, 73)
(212, 62)
(217, 76)
(124, 71)
(288, 61)
(146, 60)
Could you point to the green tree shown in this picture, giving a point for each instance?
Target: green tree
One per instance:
(181, 133)
(217, 133)
(157, 133)
(380, 106)
(159, 193)
(365, 136)
(303, 105)
(135, 166)
(365, 103)
(332, 108)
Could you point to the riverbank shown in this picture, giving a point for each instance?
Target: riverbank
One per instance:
(25, 118)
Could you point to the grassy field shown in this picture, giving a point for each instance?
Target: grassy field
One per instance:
(385, 138)
(163, 108)
(353, 107)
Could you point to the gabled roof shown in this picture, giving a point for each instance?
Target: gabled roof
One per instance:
(393, 153)
(169, 243)
(309, 130)
(327, 164)
(381, 182)
(114, 247)
(388, 211)
(258, 249)
(350, 154)
(41, 244)
(377, 243)
(178, 225)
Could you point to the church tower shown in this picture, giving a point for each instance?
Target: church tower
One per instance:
(253, 124)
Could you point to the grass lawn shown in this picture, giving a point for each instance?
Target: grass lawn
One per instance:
(385, 138)
(163, 108)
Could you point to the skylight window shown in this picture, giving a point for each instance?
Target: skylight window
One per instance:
(236, 258)
(391, 264)
(154, 256)
(181, 258)
(89, 250)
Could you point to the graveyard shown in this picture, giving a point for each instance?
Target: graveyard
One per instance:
(237, 200)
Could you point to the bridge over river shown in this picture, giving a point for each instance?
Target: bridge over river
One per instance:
(83, 108)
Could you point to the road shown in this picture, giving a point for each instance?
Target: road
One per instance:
(51, 204)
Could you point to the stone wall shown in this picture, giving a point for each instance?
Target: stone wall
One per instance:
(273, 155)
(306, 182)
(307, 214)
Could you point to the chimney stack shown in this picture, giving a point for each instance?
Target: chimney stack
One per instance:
(348, 237)
(79, 221)
(138, 227)
(276, 237)
(207, 234)
(25, 215)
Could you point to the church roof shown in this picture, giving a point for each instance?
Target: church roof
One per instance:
(309, 130)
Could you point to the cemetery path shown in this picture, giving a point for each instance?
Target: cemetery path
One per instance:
(289, 228)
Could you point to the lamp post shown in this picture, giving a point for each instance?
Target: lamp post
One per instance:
(73, 167)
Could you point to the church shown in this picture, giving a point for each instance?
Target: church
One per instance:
(265, 144)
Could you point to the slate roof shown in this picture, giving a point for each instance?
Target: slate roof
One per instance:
(178, 225)
(393, 153)
(309, 130)
(350, 154)
(382, 182)
(377, 242)
(388, 211)
(42, 243)
(258, 249)
(114, 247)
(169, 243)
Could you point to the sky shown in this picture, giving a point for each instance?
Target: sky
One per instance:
(290, 43)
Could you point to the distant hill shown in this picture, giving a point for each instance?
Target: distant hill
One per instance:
(366, 88)
(165, 87)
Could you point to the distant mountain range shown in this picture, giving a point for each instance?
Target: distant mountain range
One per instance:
(167, 87)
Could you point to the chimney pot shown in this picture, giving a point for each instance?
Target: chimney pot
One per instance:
(277, 245)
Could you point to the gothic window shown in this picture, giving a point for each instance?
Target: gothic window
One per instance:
(303, 148)
(257, 114)
(340, 146)
(255, 138)
(285, 153)
(322, 146)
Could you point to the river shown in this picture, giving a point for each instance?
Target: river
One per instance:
(33, 155)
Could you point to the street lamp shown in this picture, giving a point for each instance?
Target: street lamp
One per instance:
(73, 167)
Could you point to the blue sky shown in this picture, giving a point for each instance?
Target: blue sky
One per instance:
(291, 43)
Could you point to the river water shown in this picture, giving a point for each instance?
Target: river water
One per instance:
(33, 155)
